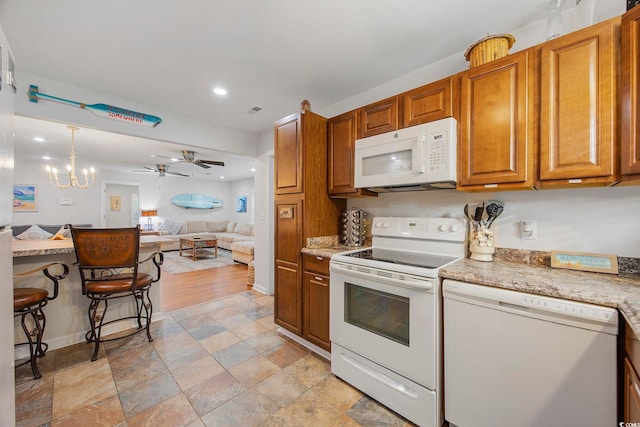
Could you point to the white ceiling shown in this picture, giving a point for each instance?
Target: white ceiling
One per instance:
(266, 53)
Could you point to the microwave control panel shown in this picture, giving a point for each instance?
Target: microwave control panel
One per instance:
(437, 151)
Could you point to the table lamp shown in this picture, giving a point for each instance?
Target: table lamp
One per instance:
(148, 214)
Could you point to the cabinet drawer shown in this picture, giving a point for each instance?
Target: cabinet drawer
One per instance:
(318, 264)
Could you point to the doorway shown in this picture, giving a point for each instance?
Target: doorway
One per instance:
(121, 207)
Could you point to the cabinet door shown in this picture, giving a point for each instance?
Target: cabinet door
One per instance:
(631, 393)
(316, 309)
(630, 97)
(428, 103)
(288, 156)
(341, 145)
(379, 117)
(288, 286)
(496, 142)
(288, 297)
(578, 106)
(288, 231)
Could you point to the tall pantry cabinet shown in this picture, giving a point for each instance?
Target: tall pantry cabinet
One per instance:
(303, 208)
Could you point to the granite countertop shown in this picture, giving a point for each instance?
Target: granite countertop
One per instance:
(22, 248)
(325, 246)
(616, 291)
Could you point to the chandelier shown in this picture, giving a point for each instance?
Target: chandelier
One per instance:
(71, 168)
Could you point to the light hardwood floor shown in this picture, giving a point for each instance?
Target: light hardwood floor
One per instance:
(182, 290)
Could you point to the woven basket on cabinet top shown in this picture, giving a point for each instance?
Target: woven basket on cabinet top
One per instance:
(489, 48)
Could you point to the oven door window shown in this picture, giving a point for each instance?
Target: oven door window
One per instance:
(381, 313)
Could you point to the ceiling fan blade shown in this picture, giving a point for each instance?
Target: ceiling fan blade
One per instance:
(164, 157)
(211, 162)
(201, 164)
(177, 173)
(151, 169)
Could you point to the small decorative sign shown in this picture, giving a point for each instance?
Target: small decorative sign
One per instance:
(103, 110)
(599, 263)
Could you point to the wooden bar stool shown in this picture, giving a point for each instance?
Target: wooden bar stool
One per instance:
(107, 259)
(29, 302)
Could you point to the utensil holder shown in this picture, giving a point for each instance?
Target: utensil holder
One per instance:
(353, 227)
(481, 240)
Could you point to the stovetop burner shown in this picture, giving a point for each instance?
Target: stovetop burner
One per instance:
(403, 258)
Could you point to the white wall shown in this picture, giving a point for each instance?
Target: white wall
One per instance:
(154, 193)
(7, 98)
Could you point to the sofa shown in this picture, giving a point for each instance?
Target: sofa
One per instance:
(226, 232)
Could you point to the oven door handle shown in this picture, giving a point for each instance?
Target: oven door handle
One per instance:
(389, 382)
(425, 285)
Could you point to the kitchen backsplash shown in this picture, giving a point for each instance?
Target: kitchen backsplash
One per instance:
(602, 220)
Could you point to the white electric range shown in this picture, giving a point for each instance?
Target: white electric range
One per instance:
(386, 303)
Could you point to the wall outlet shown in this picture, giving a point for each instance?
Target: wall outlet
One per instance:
(528, 229)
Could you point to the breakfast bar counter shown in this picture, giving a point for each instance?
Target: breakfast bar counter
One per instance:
(67, 320)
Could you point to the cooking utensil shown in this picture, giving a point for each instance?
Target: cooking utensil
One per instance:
(466, 212)
(494, 209)
(478, 214)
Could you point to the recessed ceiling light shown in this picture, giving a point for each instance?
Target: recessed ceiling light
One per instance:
(46, 158)
(219, 91)
(39, 139)
(253, 169)
(221, 177)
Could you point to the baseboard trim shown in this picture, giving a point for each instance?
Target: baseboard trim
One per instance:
(319, 351)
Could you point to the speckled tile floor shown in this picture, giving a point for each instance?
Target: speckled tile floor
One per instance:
(221, 363)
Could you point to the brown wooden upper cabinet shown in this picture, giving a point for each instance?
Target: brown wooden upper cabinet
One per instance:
(630, 112)
(428, 103)
(578, 107)
(288, 155)
(341, 135)
(379, 117)
(496, 125)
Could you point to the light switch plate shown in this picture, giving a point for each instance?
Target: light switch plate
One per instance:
(66, 202)
(528, 229)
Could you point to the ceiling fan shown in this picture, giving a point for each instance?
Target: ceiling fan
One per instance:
(164, 169)
(190, 157)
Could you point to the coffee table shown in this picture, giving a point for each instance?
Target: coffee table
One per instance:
(198, 246)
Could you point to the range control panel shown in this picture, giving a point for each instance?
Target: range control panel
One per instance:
(453, 229)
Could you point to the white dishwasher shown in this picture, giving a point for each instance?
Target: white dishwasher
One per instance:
(517, 359)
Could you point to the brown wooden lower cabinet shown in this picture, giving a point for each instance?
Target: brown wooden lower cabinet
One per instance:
(315, 291)
(288, 297)
(631, 384)
(631, 393)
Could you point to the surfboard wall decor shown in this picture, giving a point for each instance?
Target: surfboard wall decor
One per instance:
(196, 201)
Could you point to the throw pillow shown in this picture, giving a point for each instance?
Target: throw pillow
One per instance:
(215, 227)
(170, 227)
(34, 233)
(231, 226)
(244, 228)
(62, 234)
(196, 227)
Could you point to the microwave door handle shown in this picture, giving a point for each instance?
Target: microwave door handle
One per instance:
(424, 285)
(420, 155)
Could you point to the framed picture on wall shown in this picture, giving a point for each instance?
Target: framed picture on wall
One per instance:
(25, 198)
(241, 204)
(115, 203)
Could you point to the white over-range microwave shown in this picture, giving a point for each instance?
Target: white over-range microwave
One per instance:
(419, 157)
